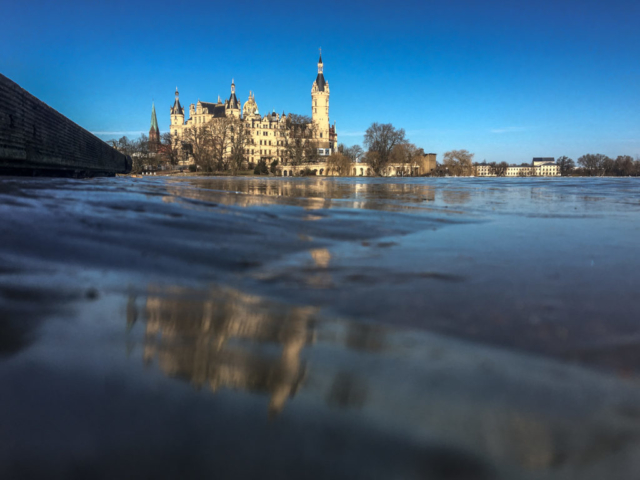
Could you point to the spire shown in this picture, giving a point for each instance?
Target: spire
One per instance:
(154, 131)
(320, 81)
(176, 109)
(233, 100)
(154, 119)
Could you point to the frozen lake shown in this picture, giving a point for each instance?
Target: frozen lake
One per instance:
(445, 328)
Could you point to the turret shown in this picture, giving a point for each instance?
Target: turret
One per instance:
(320, 106)
(232, 106)
(250, 106)
(177, 112)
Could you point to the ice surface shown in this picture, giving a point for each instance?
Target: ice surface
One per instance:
(319, 328)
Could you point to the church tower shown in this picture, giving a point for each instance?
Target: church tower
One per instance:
(154, 131)
(320, 107)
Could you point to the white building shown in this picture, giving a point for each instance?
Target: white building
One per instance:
(540, 167)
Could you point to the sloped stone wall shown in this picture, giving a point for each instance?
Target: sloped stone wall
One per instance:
(35, 138)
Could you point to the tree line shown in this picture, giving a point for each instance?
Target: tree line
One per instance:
(460, 163)
(142, 156)
(224, 146)
(589, 165)
(596, 164)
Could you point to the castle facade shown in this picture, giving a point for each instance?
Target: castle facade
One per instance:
(266, 137)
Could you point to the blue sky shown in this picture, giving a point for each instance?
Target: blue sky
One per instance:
(505, 80)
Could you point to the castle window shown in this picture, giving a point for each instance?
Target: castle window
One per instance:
(320, 134)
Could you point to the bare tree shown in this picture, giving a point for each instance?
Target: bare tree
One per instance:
(609, 166)
(624, 165)
(405, 154)
(354, 152)
(458, 162)
(593, 163)
(380, 138)
(132, 148)
(199, 143)
(138, 150)
(566, 164)
(220, 131)
(123, 145)
(169, 148)
(239, 141)
(339, 164)
(297, 134)
(499, 169)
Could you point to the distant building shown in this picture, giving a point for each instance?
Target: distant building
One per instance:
(540, 167)
(484, 170)
(537, 161)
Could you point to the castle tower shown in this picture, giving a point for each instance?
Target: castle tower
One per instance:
(177, 114)
(232, 106)
(250, 107)
(320, 106)
(154, 131)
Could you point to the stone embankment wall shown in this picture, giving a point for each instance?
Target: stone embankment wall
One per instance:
(36, 139)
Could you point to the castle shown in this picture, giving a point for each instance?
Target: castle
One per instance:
(267, 137)
(226, 135)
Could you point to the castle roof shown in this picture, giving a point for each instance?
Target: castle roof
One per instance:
(154, 119)
(177, 108)
(320, 82)
(233, 101)
(215, 109)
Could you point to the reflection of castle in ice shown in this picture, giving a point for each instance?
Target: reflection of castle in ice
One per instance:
(226, 339)
(312, 193)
